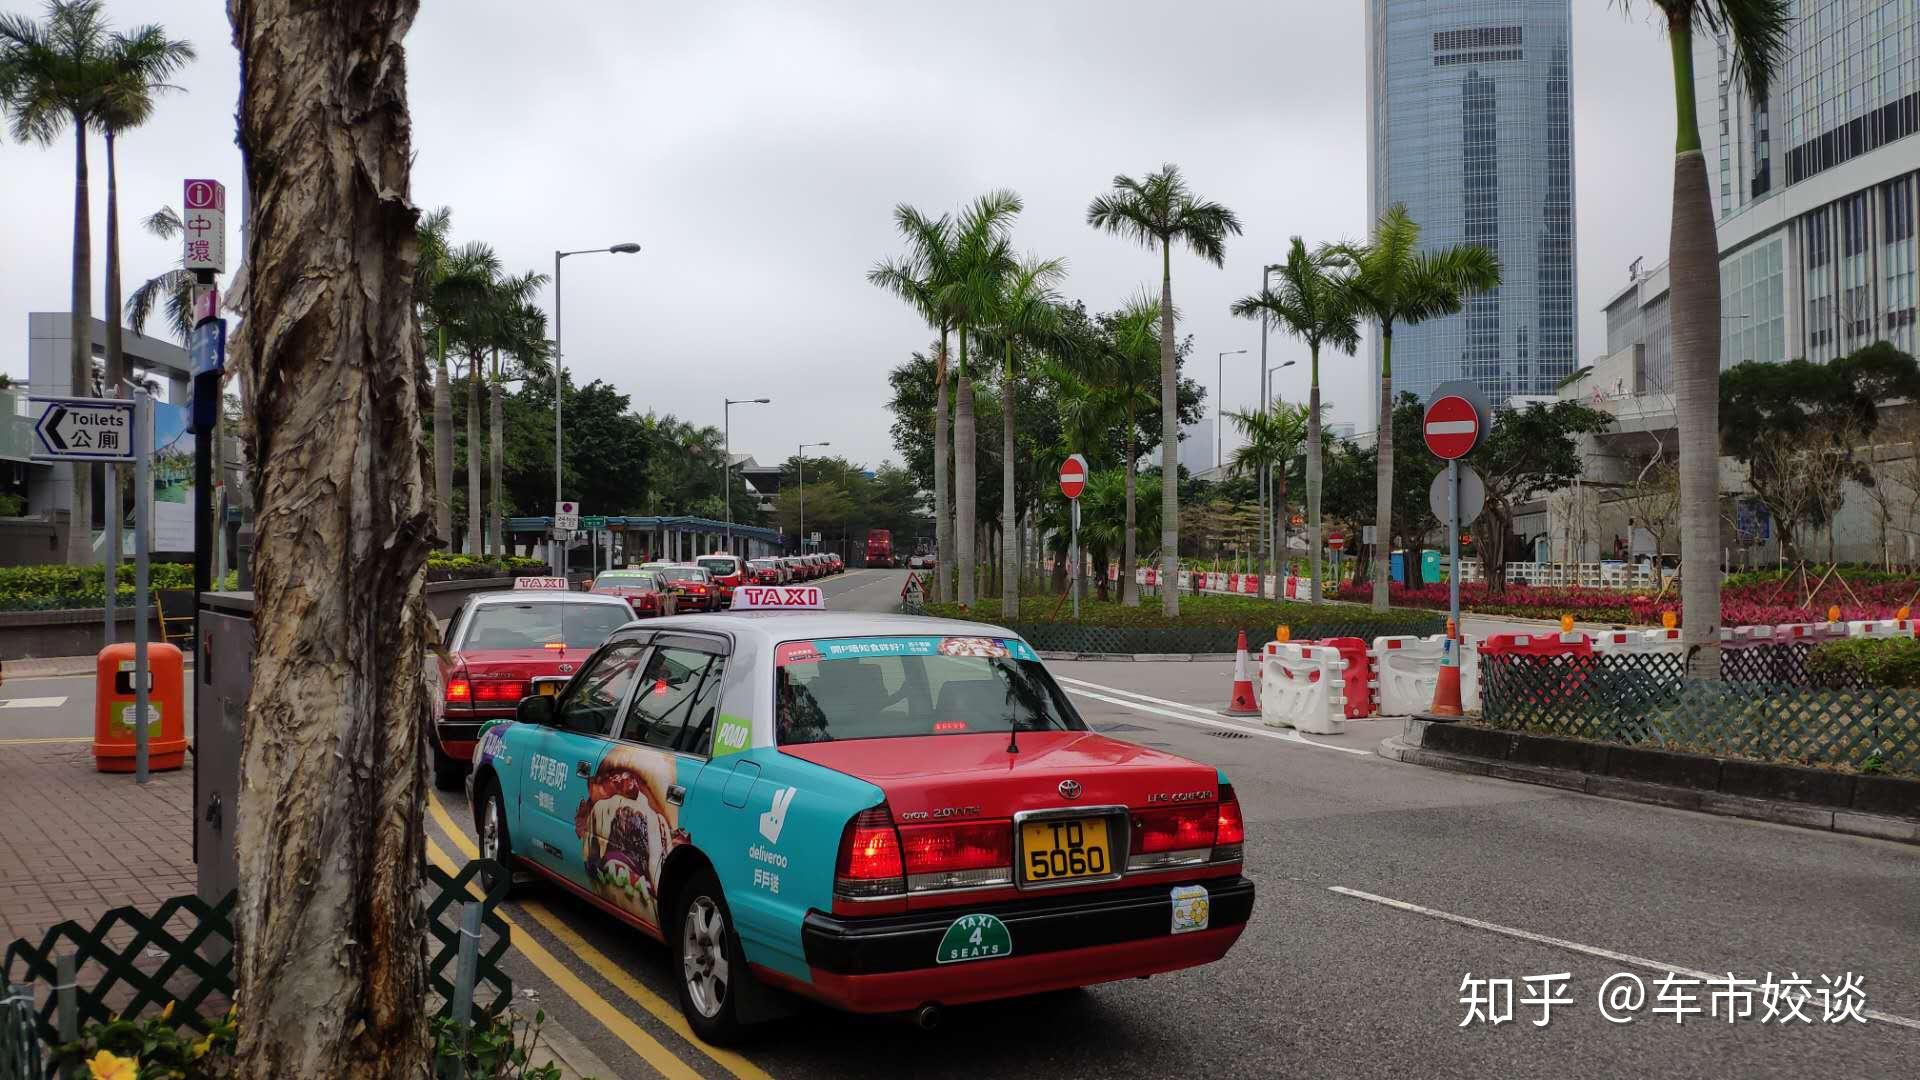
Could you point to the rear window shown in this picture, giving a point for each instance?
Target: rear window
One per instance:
(882, 688)
(537, 625)
(721, 567)
(684, 573)
(632, 579)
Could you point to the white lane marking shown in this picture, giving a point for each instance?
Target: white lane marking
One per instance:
(1289, 734)
(1284, 736)
(1574, 946)
(33, 703)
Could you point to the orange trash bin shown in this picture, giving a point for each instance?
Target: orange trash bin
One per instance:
(114, 705)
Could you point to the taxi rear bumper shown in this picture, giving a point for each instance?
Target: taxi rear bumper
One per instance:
(888, 963)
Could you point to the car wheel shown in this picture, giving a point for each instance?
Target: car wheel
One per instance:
(448, 773)
(709, 965)
(496, 844)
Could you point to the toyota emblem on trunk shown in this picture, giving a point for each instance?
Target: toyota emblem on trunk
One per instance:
(1069, 789)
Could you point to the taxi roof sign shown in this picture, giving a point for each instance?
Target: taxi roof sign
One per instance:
(544, 583)
(778, 598)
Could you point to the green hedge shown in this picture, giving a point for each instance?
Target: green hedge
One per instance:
(55, 587)
(1885, 663)
(441, 560)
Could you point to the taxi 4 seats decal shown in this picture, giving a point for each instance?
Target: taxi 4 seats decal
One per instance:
(975, 937)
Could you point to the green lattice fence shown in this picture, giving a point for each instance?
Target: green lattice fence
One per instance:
(131, 962)
(1645, 699)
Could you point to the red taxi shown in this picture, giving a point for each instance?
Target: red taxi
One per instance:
(641, 588)
(504, 646)
(768, 572)
(728, 573)
(692, 587)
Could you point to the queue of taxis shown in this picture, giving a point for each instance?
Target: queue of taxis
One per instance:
(643, 589)
(887, 814)
(504, 646)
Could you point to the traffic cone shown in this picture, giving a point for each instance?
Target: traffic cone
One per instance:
(1446, 689)
(1244, 703)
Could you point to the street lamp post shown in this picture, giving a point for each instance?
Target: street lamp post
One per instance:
(1219, 398)
(628, 248)
(1266, 283)
(726, 461)
(1271, 525)
(803, 491)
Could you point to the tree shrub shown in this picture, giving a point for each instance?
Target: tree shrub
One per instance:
(1883, 663)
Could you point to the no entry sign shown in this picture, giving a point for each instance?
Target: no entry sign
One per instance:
(1073, 476)
(1336, 541)
(1452, 427)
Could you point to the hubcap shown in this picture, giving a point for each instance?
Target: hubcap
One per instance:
(703, 953)
(490, 832)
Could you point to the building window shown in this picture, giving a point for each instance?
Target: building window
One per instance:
(1476, 38)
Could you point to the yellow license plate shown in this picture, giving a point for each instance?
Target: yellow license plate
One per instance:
(1061, 849)
(548, 689)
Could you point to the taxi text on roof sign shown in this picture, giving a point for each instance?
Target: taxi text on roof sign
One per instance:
(778, 598)
(558, 583)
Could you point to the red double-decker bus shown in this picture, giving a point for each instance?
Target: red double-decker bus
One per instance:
(880, 548)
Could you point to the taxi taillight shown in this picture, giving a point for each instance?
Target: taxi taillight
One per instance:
(1230, 832)
(499, 690)
(459, 691)
(961, 855)
(870, 872)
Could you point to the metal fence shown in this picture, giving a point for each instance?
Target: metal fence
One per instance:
(1766, 708)
(130, 961)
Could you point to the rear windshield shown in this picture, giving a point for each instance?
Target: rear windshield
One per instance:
(763, 564)
(684, 573)
(632, 579)
(723, 567)
(882, 688)
(537, 625)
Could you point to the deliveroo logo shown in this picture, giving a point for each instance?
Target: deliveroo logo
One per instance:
(974, 937)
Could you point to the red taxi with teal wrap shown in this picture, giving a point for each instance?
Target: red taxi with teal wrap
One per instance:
(887, 814)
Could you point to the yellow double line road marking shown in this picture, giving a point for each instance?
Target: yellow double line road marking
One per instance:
(620, 1026)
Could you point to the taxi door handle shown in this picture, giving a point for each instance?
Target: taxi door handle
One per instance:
(676, 794)
(583, 768)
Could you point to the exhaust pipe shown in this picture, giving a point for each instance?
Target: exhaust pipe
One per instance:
(927, 1017)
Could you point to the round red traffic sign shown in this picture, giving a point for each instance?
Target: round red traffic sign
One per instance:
(1336, 541)
(1451, 427)
(1073, 476)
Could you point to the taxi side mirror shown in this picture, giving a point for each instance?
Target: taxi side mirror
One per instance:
(535, 709)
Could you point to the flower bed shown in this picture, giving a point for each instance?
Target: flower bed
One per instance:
(1745, 599)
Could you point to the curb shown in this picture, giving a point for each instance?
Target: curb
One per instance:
(575, 1060)
(1144, 658)
(1850, 822)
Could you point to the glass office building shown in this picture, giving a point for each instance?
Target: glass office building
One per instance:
(1471, 128)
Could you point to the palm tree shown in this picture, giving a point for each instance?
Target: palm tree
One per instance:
(53, 74)
(918, 277)
(1393, 281)
(456, 281)
(1025, 318)
(982, 261)
(172, 287)
(1132, 378)
(1157, 211)
(141, 62)
(498, 320)
(1313, 305)
(524, 339)
(1274, 439)
(1757, 31)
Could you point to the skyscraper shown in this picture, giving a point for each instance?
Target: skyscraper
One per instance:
(1470, 122)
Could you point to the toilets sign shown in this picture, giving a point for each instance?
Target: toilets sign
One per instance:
(83, 429)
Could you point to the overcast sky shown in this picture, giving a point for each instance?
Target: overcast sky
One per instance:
(756, 150)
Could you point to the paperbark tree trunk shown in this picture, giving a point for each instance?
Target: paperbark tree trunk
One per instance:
(1694, 256)
(1169, 439)
(80, 524)
(476, 509)
(496, 450)
(942, 447)
(966, 492)
(330, 924)
(1383, 477)
(442, 445)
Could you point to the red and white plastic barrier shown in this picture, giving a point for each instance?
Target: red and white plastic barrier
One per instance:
(1881, 628)
(1406, 669)
(1639, 642)
(1303, 686)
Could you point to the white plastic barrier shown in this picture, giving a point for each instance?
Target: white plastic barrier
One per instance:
(1639, 642)
(1882, 628)
(1406, 670)
(1302, 687)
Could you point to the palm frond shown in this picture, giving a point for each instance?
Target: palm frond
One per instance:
(163, 223)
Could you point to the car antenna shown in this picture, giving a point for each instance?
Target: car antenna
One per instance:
(1013, 731)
